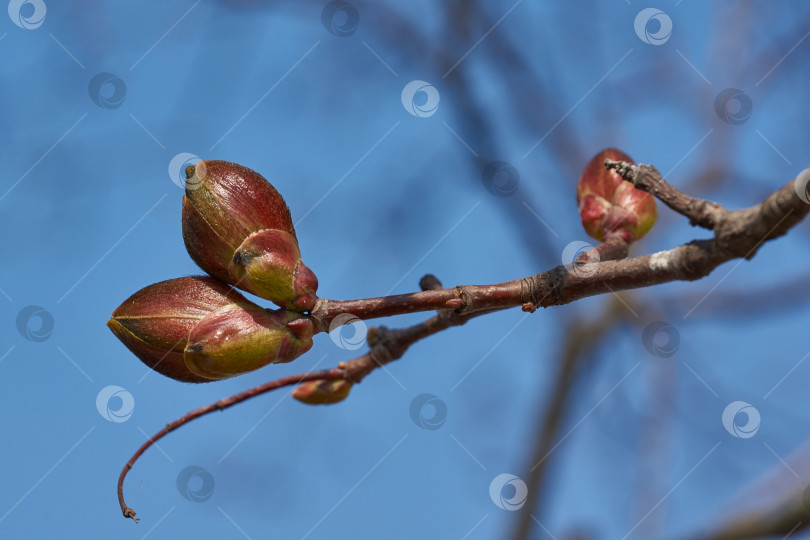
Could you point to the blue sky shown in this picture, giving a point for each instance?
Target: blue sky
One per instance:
(96, 103)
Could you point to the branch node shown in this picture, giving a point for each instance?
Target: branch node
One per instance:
(314, 314)
(465, 298)
(529, 293)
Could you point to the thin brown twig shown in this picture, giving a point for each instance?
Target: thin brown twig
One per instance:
(706, 214)
(614, 248)
(387, 345)
(326, 374)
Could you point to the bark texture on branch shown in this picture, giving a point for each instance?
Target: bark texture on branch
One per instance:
(703, 213)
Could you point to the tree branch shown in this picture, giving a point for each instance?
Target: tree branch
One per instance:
(614, 248)
(787, 517)
(738, 233)
(387, 345)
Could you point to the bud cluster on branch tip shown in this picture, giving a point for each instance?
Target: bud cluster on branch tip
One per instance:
(198, 329)
(610, 205)
(237, 228)
(323, 392)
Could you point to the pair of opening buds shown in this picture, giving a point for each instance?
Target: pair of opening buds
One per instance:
(238, 229)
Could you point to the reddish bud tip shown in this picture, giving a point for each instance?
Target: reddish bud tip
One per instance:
(608, 204)
(269, 265)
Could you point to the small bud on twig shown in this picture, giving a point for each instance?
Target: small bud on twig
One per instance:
(323, 392)
(610, 205)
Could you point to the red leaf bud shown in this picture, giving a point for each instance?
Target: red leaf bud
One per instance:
(238, 228)
(608, 204)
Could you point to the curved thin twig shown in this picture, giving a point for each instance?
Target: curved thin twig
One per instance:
(326, 374)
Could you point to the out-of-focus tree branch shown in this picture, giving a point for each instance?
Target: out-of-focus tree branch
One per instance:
(788, 515)
(581, 340)
(776, 505)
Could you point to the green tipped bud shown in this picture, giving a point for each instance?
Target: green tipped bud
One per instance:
(608, 204)
(240, 338)
(154, 323)
(238, 228)
(269, 261)
(323, 392)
